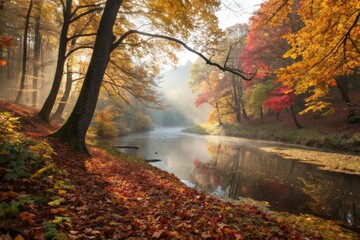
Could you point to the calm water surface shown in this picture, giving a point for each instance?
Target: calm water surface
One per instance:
(237, 168)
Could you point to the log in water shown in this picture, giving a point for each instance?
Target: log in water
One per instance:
(119, 146)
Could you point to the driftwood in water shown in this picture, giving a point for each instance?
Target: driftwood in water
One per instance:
(152, 160)
(119, 146)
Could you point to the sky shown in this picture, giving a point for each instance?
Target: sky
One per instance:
(235, 11)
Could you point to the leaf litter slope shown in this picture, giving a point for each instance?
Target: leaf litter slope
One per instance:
(117, 199)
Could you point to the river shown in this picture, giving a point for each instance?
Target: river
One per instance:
(237, 168)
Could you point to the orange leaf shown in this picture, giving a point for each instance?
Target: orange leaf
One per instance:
(58, 210)
(27, 217)
(2, 62)
(6, 196)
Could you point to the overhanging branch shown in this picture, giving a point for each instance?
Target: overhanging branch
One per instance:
(243, 75)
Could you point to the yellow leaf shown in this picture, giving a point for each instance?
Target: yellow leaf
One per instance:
(19, 237)
(113, 223)
(57, 220)
(100, 219)
(56, 202)
(62, 192)
(42, 170)
(61, 219)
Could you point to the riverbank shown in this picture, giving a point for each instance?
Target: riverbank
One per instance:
(327, 132)
(110, 195)
(323, 139)
(335, 143)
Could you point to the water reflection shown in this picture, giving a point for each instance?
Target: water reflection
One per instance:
(240, 171)
(237, 168)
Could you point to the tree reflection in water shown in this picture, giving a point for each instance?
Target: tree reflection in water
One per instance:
(238, 171)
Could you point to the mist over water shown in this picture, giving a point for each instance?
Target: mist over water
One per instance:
(181, 110)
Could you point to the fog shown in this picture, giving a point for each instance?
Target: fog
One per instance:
(180, 110)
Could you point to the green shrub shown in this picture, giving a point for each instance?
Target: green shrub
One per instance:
(19, 155)
(15, 206)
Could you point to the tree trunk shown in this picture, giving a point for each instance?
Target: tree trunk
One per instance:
(293, 115)
(218, 113)
(45, 111)
(2, 69)
(342, 85)
(69, 78)
(236, 99)
(261, 115)
(36, 60)
(75, 128)
(24, 58)
(65, 97)
(10, 59)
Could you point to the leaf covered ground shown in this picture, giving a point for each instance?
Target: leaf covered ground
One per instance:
(115, 196)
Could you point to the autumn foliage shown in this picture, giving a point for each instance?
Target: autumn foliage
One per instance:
(309, 49)
(5, 42)
(280, 98)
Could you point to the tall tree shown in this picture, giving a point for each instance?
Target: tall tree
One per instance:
(36, 67)
(25, 49)
(264, 50)
(78, 31)
(280, 98)
(236, 36)
(44, 113)
(69, 17)
(207, 82)
(75, 128)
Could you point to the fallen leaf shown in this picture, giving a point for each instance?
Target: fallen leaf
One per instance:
(19, 237)
(62, 192)
(4, 196)
(158, 234)
(100, 219)
(56, 202)
(27, 217)
(58, 210)
(5, 237)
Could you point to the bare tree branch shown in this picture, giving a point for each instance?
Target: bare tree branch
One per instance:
(231, 48)
(116, 87)
(84, 14)
(81, 35)
(77, 48)
(85, 6)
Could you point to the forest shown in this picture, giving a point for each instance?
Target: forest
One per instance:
(285, 60)
(74, 72)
